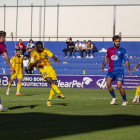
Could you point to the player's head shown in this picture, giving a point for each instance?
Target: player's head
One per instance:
(18, 52)
(39, 46)
(2, 36)
(116, 40)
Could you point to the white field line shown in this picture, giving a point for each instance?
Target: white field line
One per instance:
(60, 99)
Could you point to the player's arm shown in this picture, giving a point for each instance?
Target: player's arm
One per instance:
(34, 64)
(55, 59)
(6, 57)
(104, 64)
(136, 67)
(22, 69)
(125, 57)
(128, 67)
(106, 60)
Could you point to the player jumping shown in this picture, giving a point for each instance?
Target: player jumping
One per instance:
(136, 98)
(115, 55)
(17, 64)
(40, 58)
(4, 51)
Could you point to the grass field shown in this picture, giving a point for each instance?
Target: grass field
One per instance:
(85, 114)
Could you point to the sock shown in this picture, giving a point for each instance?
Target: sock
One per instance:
(51, 94)
(9, 85)
(124, 98)
(137, 91)
(112, 93)
(136, 97)
(55, 88)
(18, 87)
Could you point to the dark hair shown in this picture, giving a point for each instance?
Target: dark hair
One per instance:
(30, 40)
(115, 37)
(17, 50)
(33, 46)
(2, 34)
(39, 43)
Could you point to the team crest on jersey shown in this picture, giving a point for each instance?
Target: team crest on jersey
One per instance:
(119, 52)
(114, 57)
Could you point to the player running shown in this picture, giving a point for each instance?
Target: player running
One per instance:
(40, 58)
(4, 51)
(115, 55)
(136, 98)
(17, 64)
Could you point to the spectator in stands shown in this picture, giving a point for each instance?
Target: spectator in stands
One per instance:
(33, 48)
(31, 42)
(84, 48)
(78, 47)
(21, 46)
(29, 48)
(91, 48)
(26, 63)
(70, 47)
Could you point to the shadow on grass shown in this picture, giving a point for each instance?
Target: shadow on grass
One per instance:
(18, 107)
(37, 126)
(63, 104)
(30, 94)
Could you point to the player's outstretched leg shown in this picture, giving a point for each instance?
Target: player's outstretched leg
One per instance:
(122, 91)
(53, 90)
(2, 108)
(50, 97)
(111, 90)
(136, 98)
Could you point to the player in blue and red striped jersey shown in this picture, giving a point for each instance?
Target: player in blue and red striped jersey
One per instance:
(115, 55)
(4, 51)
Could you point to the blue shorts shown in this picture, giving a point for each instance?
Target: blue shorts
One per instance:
(118, 75)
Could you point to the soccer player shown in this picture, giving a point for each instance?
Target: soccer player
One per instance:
(115, 55)
(40, 58)
(17, 64)
(4, 51)
(136, 98)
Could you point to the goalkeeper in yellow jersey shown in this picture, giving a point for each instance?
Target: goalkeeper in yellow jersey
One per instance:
(17, 64)
(136, 98)
(40, 58)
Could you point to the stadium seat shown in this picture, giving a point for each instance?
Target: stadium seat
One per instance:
(76, 66)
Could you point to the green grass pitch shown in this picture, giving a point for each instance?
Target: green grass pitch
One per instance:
(85, 114)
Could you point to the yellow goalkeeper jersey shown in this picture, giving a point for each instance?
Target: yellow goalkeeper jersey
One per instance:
(45, 62)
(17, 64)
